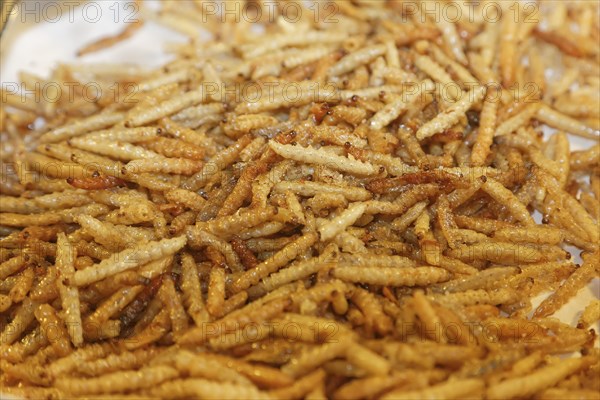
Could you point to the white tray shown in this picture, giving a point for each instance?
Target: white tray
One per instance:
(36, 42)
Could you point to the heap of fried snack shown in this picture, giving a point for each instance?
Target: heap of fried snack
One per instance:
(340, 205)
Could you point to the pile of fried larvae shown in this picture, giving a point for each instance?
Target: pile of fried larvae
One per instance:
(364, 208)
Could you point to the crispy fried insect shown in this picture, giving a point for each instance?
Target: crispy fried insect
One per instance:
(397, 184)
(97, 182)
(246, 255)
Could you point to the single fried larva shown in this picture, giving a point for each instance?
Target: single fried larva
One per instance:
(348, 217)
(512, 124)
(11, 219)
(94, 162)
(116, 362)
(350, 243)
(52, 217)
(319, 156)
(22, 286)
(299, 270)
(199, 237)
(377, 261)
(311, 358)
(360, 388)
(133, 213)
(234, 302)
(105, 233)
(19, 205)
(79, 127)
(505, 196)
(243, 219)
(195, 113)
(242, 124)
(571, 285)
(534, 234)
(367, 360)
(539, 379)
(282, 257)
(309, 189)
(585, 158)
(419, 276)
(28, 345)
(216, 291)
(109, 41)
(301, 387)
(355, 59)
(13, 265)
(111, 306)
(260, 244)
(253, 150)
(54, 329)
(318, 293)
(479, 296)
(450, 116)
(426, 313)
(158, 325)
(243, 186)
(122, 151)
(487, 128)
(118, 382)
(51, 168)
(65, 257)
(127, 259)
(558, 393)
(67, 364)
(590, 314)
(170, 298)
(485, 280)
(192, 293)
(405, 201)
(437, 73)
(563, 122)
(202, 366)
(393, 109)
(562, 43)
(163, 165)
(219, 161)
(129, 135)
(394, 165)
(175, 148)
(372, 308)
(176, 76)
(22, 318)
(577, 213)
(66, 199)
(247, 257)
(341, 136)
(305, 56)
(165, 108)
(508, 56)
(181, 221)
(503, 252)
(207, 389)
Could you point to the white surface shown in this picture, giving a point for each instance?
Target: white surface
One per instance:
(38, 47)
(35, 39)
